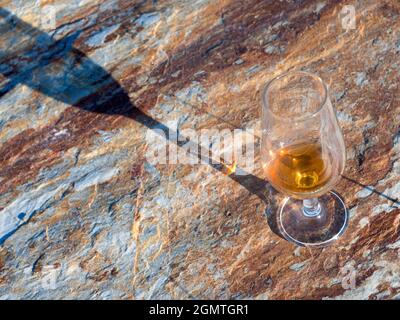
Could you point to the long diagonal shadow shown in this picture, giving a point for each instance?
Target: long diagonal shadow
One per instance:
(30, 59)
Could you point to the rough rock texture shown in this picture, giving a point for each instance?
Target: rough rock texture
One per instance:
(84, 215)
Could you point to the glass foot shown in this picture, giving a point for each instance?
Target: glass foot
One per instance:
(316, 230)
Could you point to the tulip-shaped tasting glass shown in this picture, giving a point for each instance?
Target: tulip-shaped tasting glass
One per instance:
(303, 156)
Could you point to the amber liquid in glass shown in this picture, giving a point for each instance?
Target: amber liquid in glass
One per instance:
(299, 168)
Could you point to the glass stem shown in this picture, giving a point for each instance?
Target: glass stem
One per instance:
(311, 207)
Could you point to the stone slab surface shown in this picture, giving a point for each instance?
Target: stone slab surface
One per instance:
(84, 215)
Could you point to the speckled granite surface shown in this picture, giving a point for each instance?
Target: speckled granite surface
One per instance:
(84, 215)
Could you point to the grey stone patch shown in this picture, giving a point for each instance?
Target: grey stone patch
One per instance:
(166, 107)
(395, 245)
(53, 172)
(382, 294)
(200, 73)
(26, 206)
(148, 232)
(361, 78)
(369, 125)
(176, 74)
(252, 70)
(297, 252)
(319, 7)
(333, 282)
(339, 95)
(398, 46)
(363, 222)
(366, 253)
(112, 294)
(280, 23)
(115, 244)
(148, 19)
(298, 266)
(344, 117)
(80, 196)
(103, 161)
(234, 88)
(271, 37)
(352, 212)
(365, 192)
(271, 49)
(195, 92)
(106, 136)
(110, 5)
(151, 169)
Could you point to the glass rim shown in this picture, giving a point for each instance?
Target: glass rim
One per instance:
(288, 73)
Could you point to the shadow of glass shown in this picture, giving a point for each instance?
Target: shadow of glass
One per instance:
(58, 70)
